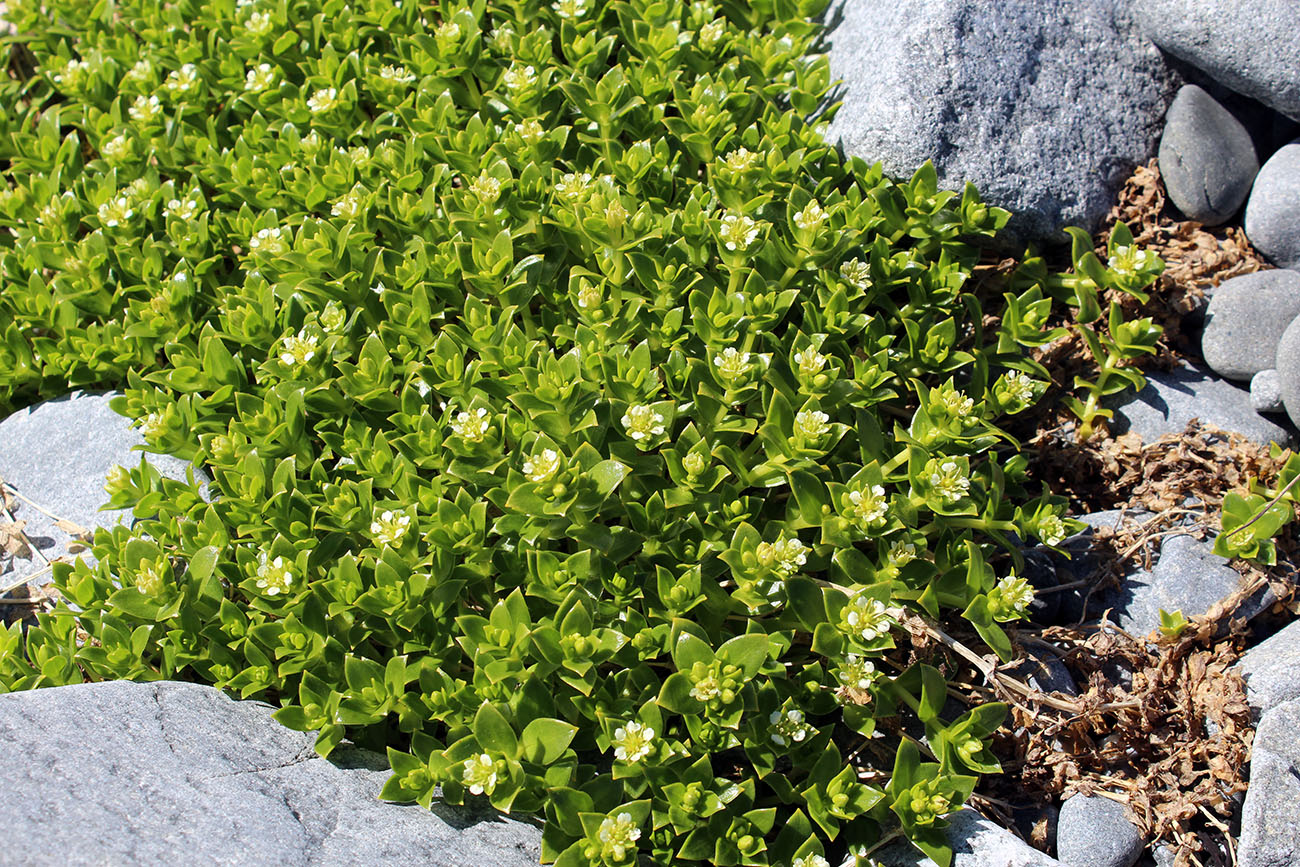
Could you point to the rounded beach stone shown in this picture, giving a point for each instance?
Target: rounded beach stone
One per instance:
(1266, 391)
(1245, 320)
(1288, 369)
(1207, 159)
(1273, 211)
(1096, 832)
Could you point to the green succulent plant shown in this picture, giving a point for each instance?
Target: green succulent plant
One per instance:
(582, 426)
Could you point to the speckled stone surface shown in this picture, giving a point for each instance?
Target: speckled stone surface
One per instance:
(177, 773)
(58, 454)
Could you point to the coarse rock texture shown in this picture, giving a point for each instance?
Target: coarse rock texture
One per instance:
(58, 455)
(176, 773)
(1172, 398)
(1247, 45)
(1288, 369)
(976, 842)
(1245, 320)
(1273, 210)
(1266, 391)
(1045, 105)
(1271, 670)
(1188, 577)
(1271, 813)
(1207, 159)
(1093, 831)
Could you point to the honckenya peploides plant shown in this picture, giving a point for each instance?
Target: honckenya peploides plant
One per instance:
(584, 430)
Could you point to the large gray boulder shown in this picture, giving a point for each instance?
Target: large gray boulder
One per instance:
(1288, 369)
(1273, 210)
(1271, 670)
(1271, 812)
(58, 454)
(175, 773)
(1245, 320)
(1207, 159)
(1247, 45)
(1172, 398)
(1045, 105)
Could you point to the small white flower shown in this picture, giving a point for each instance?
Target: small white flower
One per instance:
(480, 774)
(274, 577)
(298, 350)
(269, 241)
(867, 618)
(633, 742)
(183, 80)
(811, 217)
(116, 211)
(618, 835)
(738, 232)
(711, 32)
(182, 209)
(324, 100)
(153, 425)
(472, 426)
(901, 553)
(486, 188)
(348, 207)
(706, 688)
(389, 527)
(956, 404)
(149, 580)
(812, 860)
(809, 362)
(259, 24)
(732, 364)
(1051, 529)
(1012, 595)
(740, 160)
(784, 556)
(140, 73)
(1129, 260)
(73, 74)
(868, 506)
(788, 728)
(116, 150)
(811, 425)
(447, 31)
(694, 463)
(311, 143)
(1020, 388)
(642, 422)
(857, 673)
(857, 273)
(145, 108)
(531, 131)
(542, 466)
(518, 78)
(570, 8)
(573, 187)
(950, 482)
(259, 78)
(379, 288)
(359, 155)
(396, 75)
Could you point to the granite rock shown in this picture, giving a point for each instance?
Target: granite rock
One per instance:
(1266, 392)
(1044, 671)
(1288, 369)
(169, 773)
(1271, 813)
(976, 842)
(1273, 210)
(1245, 320)
(1207, 160)
(1247, 45)
(1045, 105)
(1271, 670)
(58, 454)
(1093, 831)
(1172, 398)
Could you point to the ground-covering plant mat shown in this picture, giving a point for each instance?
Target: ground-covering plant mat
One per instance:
(586, 431)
